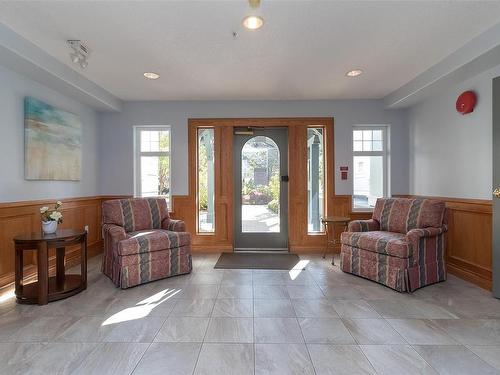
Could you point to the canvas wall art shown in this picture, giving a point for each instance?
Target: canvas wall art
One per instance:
(52, 142)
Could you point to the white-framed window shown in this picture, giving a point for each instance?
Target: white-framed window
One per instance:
(152, 169)
(370, 165)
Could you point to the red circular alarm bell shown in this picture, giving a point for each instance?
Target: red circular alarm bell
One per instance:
(466, 102)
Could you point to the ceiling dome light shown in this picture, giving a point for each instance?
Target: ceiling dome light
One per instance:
(151, 75)
(354, 73)
(253, 22)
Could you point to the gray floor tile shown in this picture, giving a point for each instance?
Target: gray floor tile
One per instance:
(206, 278)
(273, 308)
(416, 309)
(225, 359)
(277, 331)
(112, 358)
(339, 360)
(305, 291)
(472, 331)
(169, 358)
(237, 277)
(421, 332)
(96, 329)
(373, 331)
(325, 331)
(342, 292)
(42, 328)
(292, 359)
(233, 307)
(314, 308)
(270, 292)
(396, 359)
(43, 358)
(354, 309)
(454, 360)
(201, 308)
(264, 277)
(235, 291)
(183, 329)
(225, 330)
(198, 291)
(489, 354)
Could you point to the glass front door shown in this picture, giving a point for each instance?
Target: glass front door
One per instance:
(261, 189)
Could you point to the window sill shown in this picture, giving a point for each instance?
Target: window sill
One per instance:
(361, 210)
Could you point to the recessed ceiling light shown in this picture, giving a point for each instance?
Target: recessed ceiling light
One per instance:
(151, 75)
(253, 22)
(354, 73)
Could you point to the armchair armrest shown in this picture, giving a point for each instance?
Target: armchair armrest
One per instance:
(416, 234)
(174, 225)
(363, 225)
(113, 232)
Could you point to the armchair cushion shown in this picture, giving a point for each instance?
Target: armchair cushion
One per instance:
(146, 241)
(390, 243)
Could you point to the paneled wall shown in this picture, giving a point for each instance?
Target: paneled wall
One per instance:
(469, 246)
(21, 217)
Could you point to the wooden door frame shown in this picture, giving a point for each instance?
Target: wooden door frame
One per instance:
(185, 207)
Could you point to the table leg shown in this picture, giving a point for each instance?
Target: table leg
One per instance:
(327, 239)
(60, 269)
(83, 262)
(19, 272)
(334, 242)
(43, 274)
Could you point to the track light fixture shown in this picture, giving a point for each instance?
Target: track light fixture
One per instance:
(79, 53)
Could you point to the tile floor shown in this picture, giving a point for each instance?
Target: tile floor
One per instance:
(318, 321)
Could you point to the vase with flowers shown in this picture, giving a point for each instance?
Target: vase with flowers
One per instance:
(50, 218)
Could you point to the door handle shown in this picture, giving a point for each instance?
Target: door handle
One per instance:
(285, 179)
(496, 193)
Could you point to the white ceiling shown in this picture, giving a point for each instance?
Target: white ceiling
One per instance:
(302, 52)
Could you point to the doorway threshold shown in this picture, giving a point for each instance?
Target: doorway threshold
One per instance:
(261, 250)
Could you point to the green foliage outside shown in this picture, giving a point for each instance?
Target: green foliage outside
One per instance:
(202, 173)
(164, 166)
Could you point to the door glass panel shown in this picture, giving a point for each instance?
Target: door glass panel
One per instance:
(260, 186)
(206, 214)
(315, 179)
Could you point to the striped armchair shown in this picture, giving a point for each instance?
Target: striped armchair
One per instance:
(402, 246)
(142, 243)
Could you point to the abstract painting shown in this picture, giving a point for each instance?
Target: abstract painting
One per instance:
(52, 140)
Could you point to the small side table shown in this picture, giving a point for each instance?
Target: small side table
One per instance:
(47, 289)
(330, 223)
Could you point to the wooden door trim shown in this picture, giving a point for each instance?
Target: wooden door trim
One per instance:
(185, 207)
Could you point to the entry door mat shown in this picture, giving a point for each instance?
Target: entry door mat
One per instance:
(257, 261)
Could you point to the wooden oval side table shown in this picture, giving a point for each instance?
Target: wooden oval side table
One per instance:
(47, 289)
